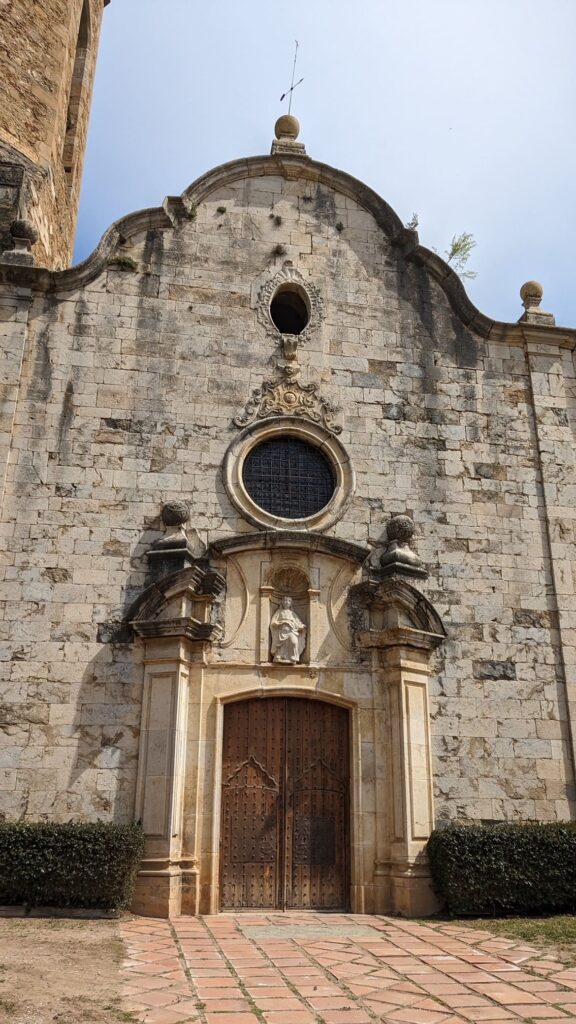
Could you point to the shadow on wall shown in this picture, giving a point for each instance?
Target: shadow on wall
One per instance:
(106, 722)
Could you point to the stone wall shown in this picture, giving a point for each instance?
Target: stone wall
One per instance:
(38, 46)
(130, 383)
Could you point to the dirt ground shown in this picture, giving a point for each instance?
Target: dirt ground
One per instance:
(59, 971)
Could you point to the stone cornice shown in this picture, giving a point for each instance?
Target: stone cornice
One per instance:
(307, 541)
(400, 636)
(177, 209)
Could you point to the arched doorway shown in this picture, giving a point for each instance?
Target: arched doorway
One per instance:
(285, 805)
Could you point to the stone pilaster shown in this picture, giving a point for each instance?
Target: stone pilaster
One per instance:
(173, 620)
(555, 445)
(403, 672)
(161, 780)
(404, 628)
(13, 332)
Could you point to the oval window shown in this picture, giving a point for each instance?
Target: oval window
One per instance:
(290, 310)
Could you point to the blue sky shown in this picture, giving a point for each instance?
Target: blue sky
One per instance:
(460, 110)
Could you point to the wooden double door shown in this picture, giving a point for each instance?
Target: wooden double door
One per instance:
(285, 805)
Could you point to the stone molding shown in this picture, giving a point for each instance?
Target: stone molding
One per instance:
(291, 540)
(289, 275)
(315, 434)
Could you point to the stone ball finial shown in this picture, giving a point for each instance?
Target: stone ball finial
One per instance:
(531, 294)
(400, 528)
(24, 229)
(175, 513)
(287, 127)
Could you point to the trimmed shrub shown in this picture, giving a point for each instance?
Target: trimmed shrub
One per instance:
(69, 865)
(505, 869)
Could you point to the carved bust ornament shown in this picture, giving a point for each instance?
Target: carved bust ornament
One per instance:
(288, 634)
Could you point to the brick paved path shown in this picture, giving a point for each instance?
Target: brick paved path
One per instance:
(336, 969)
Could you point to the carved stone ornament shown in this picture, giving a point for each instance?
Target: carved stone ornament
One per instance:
(289, 276)
(289, 397)
(399, 556)
(178, 547)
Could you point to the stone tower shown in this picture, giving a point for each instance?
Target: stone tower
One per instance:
(49, 52)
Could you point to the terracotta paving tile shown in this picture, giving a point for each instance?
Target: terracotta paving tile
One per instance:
(405, 986)
(382, 1009)
(324, 989)
(231, 1018)
(189, 1006)
(411, 974)
(159, 998)
(430, 1004)
(287, 1003)
(331, 1002)
(144, 982)
(540, 1012)
(226, 993)
(465, 1000)
(287, 1017)
(347, 1017)
(413, 1016)
(398, 999)
(506, 994)
(267, 992)
(224, 1005)
(218, 983)
(168, 1016)
(538, 985)
(445, 988)
(478, 1013)
(258, 980)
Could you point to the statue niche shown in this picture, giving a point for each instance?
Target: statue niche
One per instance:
(289, 608)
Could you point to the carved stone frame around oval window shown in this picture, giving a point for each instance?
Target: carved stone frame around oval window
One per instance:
(314, 434)
(288, 279)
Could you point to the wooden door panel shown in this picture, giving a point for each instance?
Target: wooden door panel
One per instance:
(285, 781)
(252, 766)
(317, 806)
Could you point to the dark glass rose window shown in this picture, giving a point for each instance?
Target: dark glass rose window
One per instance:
(288, 477)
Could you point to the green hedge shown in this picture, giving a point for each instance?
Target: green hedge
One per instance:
(505, 869)
(69, 865)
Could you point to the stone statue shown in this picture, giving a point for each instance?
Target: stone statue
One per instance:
(288, 634)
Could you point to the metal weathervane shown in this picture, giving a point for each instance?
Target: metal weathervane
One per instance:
(293, 84)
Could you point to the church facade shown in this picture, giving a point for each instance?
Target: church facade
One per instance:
(288, 537)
